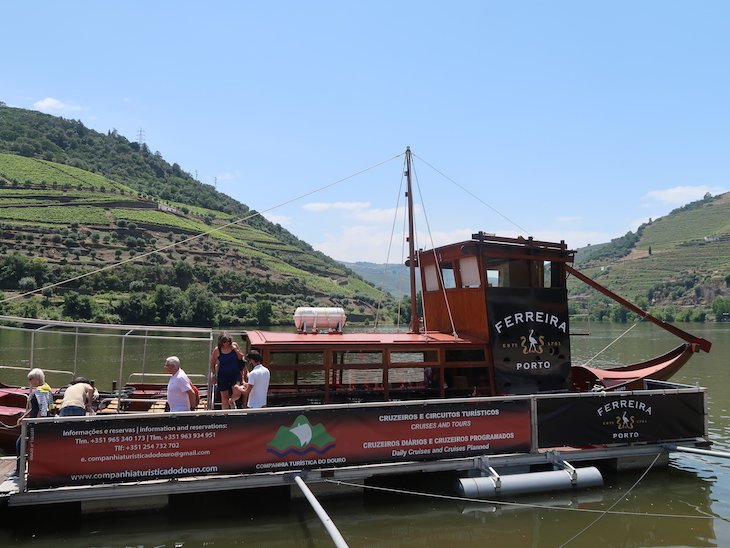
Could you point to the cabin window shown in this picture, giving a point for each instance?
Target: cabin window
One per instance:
(357, 357)
(296, 358)
(432, 278)
(357, 379)
(547, 274)
(469, 272)
(404, 378)
(514, 273)
(493, 278)
(554, 274)
(286, 379)
(424, 357)
(447, 275)
(497, 272)
(470, 355)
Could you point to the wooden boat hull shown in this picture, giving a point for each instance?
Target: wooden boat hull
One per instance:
(632, 376)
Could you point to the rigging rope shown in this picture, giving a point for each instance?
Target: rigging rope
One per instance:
(474, 196)
(613, 342)
(436, 260)
(387, 256)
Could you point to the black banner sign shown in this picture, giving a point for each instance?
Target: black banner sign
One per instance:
(620, 419)
(530, 339)
(104, 449)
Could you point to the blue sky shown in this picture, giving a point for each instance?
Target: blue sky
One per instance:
(571, 121)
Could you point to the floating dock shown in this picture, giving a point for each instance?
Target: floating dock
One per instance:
(106, 463)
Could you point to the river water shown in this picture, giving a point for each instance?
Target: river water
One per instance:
(684, 504)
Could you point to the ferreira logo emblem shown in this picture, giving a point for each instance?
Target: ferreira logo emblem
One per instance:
(531, 345)
(625, 423)
(628, 415)
(301, 438)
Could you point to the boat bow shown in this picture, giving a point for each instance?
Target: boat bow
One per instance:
(628, 377)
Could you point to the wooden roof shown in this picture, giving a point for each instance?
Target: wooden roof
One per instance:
(355, 340)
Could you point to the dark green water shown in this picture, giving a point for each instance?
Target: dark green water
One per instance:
(685, 504)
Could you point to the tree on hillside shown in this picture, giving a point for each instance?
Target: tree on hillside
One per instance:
(15, 267)
(721, 308)
(203, 306)
(137, 309)
(78, 306)
(264, 312)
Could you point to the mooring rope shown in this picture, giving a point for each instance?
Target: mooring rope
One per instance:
(622, 497)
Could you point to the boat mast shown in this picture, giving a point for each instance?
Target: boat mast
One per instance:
(415, 323)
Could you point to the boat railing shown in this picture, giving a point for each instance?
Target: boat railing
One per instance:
(120, 335)
(26, 369)
(62, 376)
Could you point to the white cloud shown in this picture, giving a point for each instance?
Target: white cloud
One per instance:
(50, 104)
(378, 215)
(679, 195)
(325, 206)
(373, 244)
(358, 243)
(574, 238)
(438, 238)
(274, 218)
(228, 175)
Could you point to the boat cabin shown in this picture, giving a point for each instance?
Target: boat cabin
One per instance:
(495, 321)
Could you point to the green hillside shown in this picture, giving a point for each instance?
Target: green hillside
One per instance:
(219, 262)
(678, 266)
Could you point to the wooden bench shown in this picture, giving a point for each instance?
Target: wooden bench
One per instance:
(158, 407)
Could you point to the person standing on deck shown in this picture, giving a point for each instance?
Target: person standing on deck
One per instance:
(77, 399)
(180, 393)
(229, 358)
(257, 387)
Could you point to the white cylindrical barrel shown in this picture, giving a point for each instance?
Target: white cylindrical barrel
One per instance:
(533, 482)
(320, 318)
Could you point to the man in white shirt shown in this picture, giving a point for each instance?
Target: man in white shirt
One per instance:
(180, 393)
(258, 382)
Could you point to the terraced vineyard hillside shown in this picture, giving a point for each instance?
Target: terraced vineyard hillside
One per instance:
(679, 265)
(57, 221)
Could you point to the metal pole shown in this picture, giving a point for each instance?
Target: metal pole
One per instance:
(32, 347)
(22, 457)
(326, 521)
(415, 323)
(210, 404)
(121, 369)
(707, 452)
(76, 351)
(144, 354)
